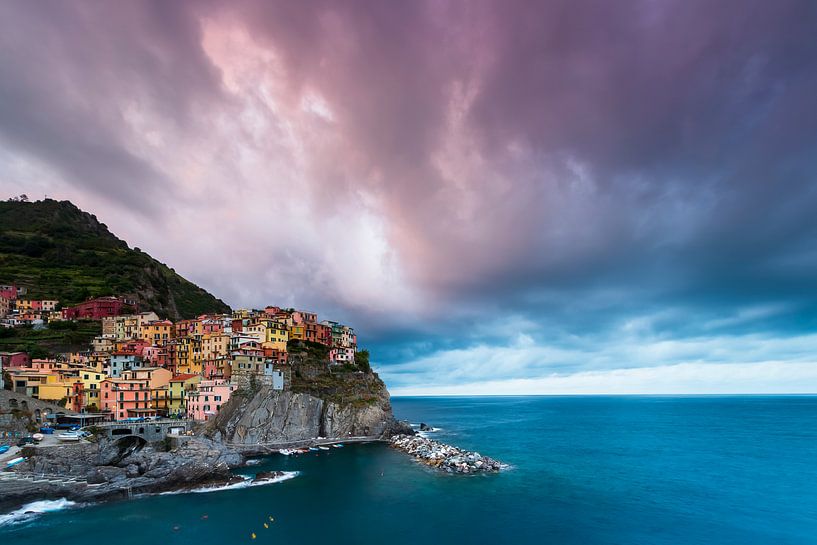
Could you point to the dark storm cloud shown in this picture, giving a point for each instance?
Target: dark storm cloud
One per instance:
(69, 75)
(559, 169)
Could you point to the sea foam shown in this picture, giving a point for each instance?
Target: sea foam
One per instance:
(246, 483)
(34, 509)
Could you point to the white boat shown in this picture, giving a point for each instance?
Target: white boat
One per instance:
(69, 436)
(323, 448)
(338, 445)
(287, 451)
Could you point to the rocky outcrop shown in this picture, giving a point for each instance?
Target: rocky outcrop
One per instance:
(321, 402)
(445, 457)
(270, 418)
(116, 469)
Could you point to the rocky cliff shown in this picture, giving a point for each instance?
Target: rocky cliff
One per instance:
(320, 401)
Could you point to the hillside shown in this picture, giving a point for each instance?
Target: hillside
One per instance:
(60, 252)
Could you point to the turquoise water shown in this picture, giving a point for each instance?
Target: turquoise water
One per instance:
(586, 470)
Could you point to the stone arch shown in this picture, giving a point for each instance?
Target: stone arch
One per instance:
(129, 444)
(12, 403)
(24, 405)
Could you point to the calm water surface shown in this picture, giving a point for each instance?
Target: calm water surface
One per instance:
(586, 470)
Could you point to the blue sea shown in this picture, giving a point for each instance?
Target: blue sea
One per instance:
(584, 470)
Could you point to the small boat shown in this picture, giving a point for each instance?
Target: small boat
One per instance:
(37, 437)
(338, 445)
(286, 451)
(313, 449)
(68, 436)
(323, 447)
(4, 449)
(14, 462)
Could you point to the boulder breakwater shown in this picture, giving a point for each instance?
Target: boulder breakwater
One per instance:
(444, 457)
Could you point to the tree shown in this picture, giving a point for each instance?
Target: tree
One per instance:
(362, 361)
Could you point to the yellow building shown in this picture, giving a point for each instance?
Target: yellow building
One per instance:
(297, 332)
(157, 333)
(180, 386)
(91, 379)
(277, 336)
(188, 355)
(270, 333)
(54, 391)
(241, 314)
(28, 382)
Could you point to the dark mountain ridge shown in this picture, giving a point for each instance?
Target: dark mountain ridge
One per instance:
(58, 251)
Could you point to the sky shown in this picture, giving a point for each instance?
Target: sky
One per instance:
(551, 197)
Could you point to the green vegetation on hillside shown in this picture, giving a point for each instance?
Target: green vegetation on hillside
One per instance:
(56, 338)
(354, 385)
(58, 251)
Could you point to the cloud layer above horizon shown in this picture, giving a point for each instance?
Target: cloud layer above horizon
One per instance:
(514, 197)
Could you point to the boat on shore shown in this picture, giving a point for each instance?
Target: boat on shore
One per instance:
(69, 437)
(4, 449)
(14, 462)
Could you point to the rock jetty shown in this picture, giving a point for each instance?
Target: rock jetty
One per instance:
(445, 457)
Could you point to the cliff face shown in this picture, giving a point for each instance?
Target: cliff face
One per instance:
(320, 402)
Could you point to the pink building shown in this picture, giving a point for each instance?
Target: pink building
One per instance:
(214, 368)
(156, 356)
(304, 317)
(205, 402)
(212, 326)
(340, 356)
(9, 292)
(127, 398)
(101, 307)
(14, 359)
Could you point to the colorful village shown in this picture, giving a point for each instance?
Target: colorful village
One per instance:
(144, 367)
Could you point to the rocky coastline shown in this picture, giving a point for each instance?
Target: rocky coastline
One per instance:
(108, 470)
(444, 457)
